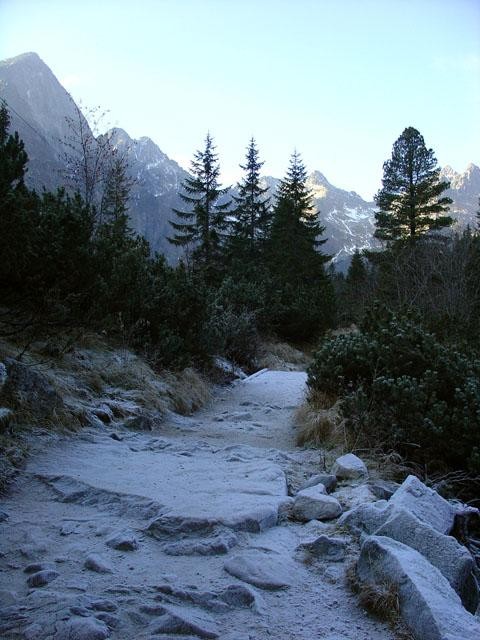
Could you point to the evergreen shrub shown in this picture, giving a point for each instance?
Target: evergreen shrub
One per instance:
(402, 389)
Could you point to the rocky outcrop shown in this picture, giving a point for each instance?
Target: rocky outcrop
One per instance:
(405, 543)
(443, 552)
(428, 604)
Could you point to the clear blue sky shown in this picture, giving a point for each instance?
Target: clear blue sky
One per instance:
(337, 79)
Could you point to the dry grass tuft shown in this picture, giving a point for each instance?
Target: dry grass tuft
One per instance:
(380, 600)
(319, 422)
(188, 391)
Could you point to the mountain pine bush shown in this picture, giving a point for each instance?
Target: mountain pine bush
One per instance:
(404, 390)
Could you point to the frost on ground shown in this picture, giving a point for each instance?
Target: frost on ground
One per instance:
(178, 532)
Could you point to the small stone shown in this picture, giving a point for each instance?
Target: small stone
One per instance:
(82, 629)
(328, 480)
(313, 504)
(96, 563)
(35, 567)
(183, 621)
(123, 541)
(238, 595)
(115, 436)
(349, 467)
(42, 578)
(331, 549)
(259, 569)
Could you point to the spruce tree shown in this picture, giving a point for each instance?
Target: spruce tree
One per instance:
(18, 212)
(295, 230)
(411, 201)
(252, 213)
(301, 295)
(202, 227)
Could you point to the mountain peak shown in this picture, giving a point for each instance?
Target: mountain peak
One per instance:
(317, 177)
(30, 58)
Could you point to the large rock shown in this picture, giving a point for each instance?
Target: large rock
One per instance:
(425, 503)
(365, 518)
(444, 552)
(428, 604)
(412, 496)
(314, 504)
(259, 569)
(349, 467)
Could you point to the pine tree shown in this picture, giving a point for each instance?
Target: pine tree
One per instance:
(18, 211)
(301, 295)
(204, 225)
(411, 201)
(295, 230)
(252, 213)
(13, 158)
(355, 290)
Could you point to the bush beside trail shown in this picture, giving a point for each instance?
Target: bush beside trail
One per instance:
(402, 389)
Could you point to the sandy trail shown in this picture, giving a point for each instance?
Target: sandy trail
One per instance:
(132, 535)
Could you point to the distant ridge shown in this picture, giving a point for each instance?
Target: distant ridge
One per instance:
(40, 105)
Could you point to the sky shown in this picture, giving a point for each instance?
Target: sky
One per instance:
(338, 80)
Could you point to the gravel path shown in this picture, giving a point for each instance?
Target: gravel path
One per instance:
(178, 533)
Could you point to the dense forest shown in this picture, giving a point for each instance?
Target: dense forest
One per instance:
(406, 369)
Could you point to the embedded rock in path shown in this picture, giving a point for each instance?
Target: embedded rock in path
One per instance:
(185, 621)
(428, 604)
(219, 543)
(260, 569)
(328, 480)
(42, 578)
(425, 503)
(123, 541)
(349, 467)
(238, 595)
(96, 563)
(326, 548)
(82, 628)
(444, 552)
(314, 504)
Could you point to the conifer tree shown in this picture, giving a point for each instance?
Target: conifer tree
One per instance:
(295, 230)
(202, 227)
(411, 201)
(301, 293)
(18, 210)
(252, 213)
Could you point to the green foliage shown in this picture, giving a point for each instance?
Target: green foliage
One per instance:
(410, 200)
(251, 216)
(404, 390)
(203, 226)
(299, 293)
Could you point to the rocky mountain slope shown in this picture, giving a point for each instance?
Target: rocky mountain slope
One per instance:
(40, 107)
